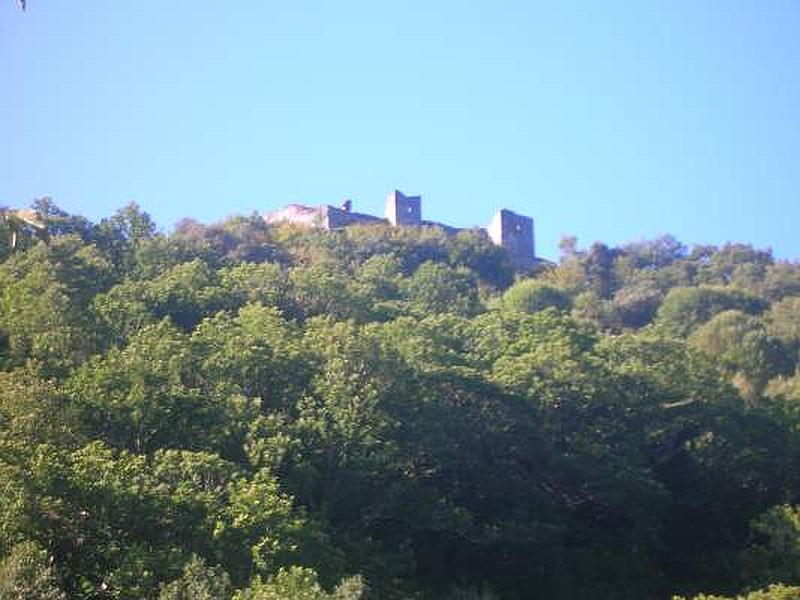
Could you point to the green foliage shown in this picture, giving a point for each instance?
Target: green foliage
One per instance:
(27, 574)
(43, 294)
(324, 290)
(649, 255)
(185, 293)
(198, 582)
(724, 332)
(142, 397)
(780, 280)
(741, 344)
(788, 388)
(36, 411)
(60, 223)
(437, 288)
(256, 354)
(378, 280)
(411, 246)
(258, 529)
(774, 554)
(530, 295)
(685, 309)
(783, 323)
(258, 411)
(300, 584)
(123, 234)
(734, 263)
(773, 592)
(265, 283)
(490, 264)
(635, 306)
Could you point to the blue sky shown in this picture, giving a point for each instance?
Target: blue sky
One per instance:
(612, 121)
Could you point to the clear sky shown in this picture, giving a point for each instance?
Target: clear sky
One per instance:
(612, 120)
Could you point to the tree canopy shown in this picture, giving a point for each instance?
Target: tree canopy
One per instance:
(251, 411)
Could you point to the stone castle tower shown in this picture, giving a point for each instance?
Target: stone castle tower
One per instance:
(403, 210)
(514, 233)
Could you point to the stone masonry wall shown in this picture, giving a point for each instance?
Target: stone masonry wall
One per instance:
(336, 218)
(403, 210)
(508, 229)
(514, 233)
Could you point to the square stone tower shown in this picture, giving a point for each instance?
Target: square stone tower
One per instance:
(403, 210)
(514, 233)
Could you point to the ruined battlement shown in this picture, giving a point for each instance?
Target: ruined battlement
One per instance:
(512, 231)
(403, 210)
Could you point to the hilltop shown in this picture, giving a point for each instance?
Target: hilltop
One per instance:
(253, 409)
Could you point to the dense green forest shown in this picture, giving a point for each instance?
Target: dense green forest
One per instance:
(256, 412)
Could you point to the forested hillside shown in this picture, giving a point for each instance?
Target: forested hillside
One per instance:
(257, 412)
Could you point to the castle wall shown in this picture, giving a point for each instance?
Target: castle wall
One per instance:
(514, 233)
(336, 218)
(508, 229)
(403, 210)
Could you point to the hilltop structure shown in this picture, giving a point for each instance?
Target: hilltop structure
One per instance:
(508, 229)
(18, 219)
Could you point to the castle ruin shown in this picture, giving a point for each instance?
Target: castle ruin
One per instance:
(403, 210)
(508, 229)
(514, 233)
